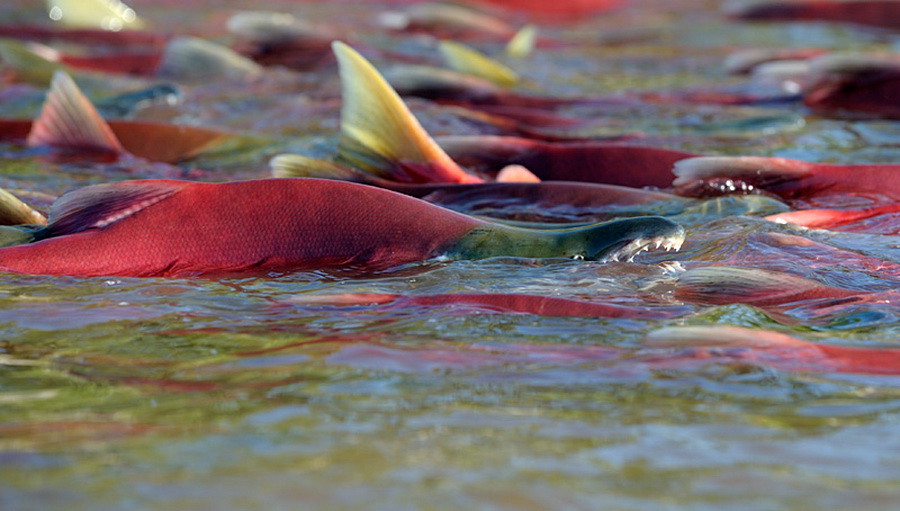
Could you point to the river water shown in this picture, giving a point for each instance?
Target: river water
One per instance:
(245, 393)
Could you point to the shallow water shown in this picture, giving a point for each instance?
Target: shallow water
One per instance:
(120, 393)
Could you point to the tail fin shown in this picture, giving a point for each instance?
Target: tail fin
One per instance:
(465, 59)
(378, 132)
(69, 120)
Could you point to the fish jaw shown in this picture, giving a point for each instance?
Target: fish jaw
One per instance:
(623, 240)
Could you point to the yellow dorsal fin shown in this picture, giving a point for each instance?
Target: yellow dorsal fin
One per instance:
(111, 15)
(465, 59)
(15, 212)
(30, 66)
(522, 43)
(69, 120)
(378, 132)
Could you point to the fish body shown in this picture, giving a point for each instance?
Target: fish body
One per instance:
(775, 349)
(588, 162)
(160, 228)
(787, 178)
(500, 303)
(877, 13)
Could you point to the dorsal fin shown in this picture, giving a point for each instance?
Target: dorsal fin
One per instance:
(466, 59)
(378, 132)
(522, 43)
(111, 15)
(15, 212)
(98, 206)
(194, 59)
(296, 165)
(30, 66)
(69, 119)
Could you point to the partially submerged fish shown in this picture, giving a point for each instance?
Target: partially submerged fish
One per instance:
(789, 179)
(380, 137)
(69, 121)
(160, 228)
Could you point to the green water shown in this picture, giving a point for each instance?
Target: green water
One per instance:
(227, 394)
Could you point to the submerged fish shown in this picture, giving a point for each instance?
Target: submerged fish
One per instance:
(500, 303)
(775, 348)
(161, 228)
(770, 290)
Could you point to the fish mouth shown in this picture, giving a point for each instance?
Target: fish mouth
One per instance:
(622, 240)
(629, 250)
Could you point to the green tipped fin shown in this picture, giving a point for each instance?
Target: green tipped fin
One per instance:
(378, 132)
(465, 59)
(112, 15)
(522, 43)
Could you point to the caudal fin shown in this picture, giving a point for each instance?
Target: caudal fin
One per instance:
(69, 120)
(378, 132)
